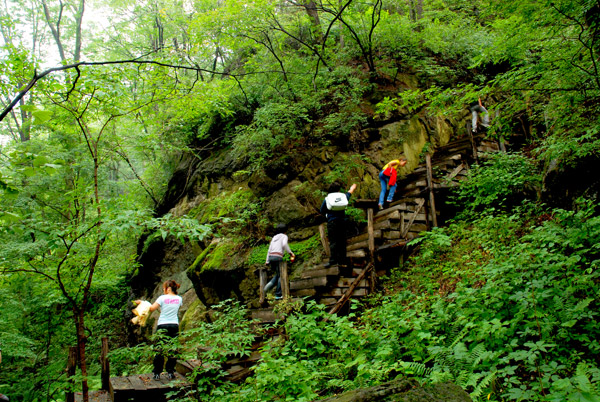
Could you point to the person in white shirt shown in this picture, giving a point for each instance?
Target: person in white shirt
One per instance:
(2, 396)
(277, 249)
(168, 326)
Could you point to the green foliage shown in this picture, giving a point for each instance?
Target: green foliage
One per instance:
(500, 181)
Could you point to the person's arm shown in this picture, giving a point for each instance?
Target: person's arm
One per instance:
(480, 104)
(286, 246)
(152, 307)
(323, 209)
(352, 188)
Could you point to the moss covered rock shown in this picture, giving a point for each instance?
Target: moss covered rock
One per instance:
(404, 391)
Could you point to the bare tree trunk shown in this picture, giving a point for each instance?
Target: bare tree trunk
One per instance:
(311, 10)
(78, 19)
(55, 29)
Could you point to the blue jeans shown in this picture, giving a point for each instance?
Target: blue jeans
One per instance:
(384, 183)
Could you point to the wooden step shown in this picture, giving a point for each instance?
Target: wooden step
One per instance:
(143, 387)
(308, 283)
(346, 282)
(338, 292)
(320, 272)
(304, 292)
(364, 236)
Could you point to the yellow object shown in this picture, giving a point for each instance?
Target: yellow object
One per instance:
(142, 312)
(395, 161)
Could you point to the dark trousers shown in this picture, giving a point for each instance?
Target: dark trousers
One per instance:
(276, 281)
(167, 332)
(336, 232)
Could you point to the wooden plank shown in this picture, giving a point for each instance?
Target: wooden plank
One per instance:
(456, 171)
(337, 292)
(94, 396)
(358, 246)
(421, 202)
(245, 360)
(316, 273)
(324, 240)
(357, 254)
(388, 214)
(393, 244)
(392, 235)
(285, 282)
(71, 368)
(262, 282)
(304, 292)
(136, 383)
(308, 283)
(347, 282)
(382, 225)
(120, 383)
(364, 236)
(104, 365)
(370, 232)
(119, 387)
(430, 185)
(350, 290)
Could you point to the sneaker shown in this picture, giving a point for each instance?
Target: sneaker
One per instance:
(3, 397)
(156, 376)
(278, 297)
(171, 376)
(380, 207)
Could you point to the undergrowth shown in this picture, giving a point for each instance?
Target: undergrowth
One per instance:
(504, 305)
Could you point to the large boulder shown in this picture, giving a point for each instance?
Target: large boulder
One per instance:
(404, 390)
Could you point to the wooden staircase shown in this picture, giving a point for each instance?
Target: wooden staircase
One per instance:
(386, 232)
(389, 230)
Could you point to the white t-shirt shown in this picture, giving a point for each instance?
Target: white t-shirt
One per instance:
(169, 307)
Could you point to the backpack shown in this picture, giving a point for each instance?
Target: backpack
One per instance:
(336, 201)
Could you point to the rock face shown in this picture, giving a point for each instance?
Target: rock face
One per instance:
(288, 188)
(404, 391)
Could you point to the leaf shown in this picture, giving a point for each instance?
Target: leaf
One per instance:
(41, 116)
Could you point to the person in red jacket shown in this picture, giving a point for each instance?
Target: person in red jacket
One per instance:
(387, 177)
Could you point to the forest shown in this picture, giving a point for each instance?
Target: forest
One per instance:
(160, 139)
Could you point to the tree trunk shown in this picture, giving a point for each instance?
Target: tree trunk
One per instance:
(311, 10)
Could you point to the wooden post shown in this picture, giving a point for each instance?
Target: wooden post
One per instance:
(420, 203)
(431, 196)
(105, 374)
(324, 240)
(262, 280)
(473, 146)
(371, 244)
(346, 296)
(283, 277)
(71, 367)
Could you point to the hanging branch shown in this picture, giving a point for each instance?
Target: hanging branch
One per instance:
(37, 77)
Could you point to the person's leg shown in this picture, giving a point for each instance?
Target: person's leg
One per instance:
(338, 241)
(277, 279)
(333, 244)
(390, 196)
(158, 363)
(486, 117)
(474, 119)
(172, 332)
(342, 242)
(383, 179)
